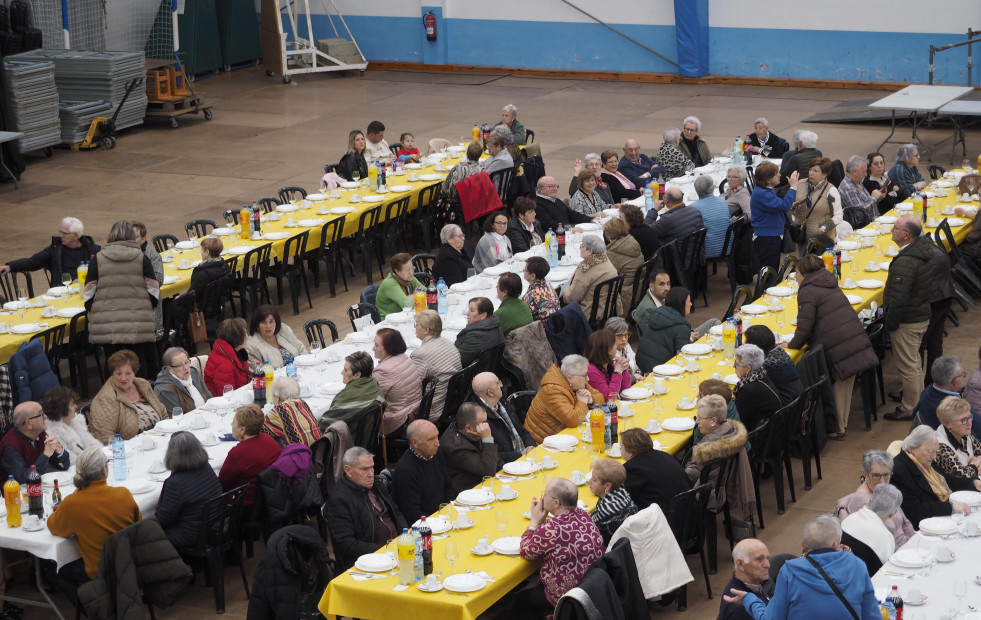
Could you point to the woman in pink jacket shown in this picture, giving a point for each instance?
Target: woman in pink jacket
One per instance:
(399, 379)
(609, 372)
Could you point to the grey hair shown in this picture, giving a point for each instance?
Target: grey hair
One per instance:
(692, 119)
(510, 109)
(444, 236)
(184, 453)
(809, 139)
(353, 455)
(617, 324)
(714, 406)
(171, 353)
(565, 492)
(821, 531)
(740, 170)
(505, 134)
(286, 388)
(671, 135)
(751, 355)
(905, 153)
(704, 186)
(919, 437)
(74, 225)
(591, 156)
(121, 231)
(574, 365)
(944, 369)
(762, 120)
(90, 467)
(886, 500)
(876, 457)
(594, 244)
(854, 163)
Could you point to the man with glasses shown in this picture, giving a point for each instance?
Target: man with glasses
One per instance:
(28, 444)
(549, 210)
(948, 380)
(637, 167)
(178, 384)
(692, 144)
(68, 249)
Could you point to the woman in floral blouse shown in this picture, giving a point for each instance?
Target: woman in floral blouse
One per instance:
(670, 156)
(541, 296)
(587, 200)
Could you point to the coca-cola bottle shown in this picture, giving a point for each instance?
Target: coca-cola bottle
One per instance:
(35, 497)
(560, 239)
(432, 297)
(427, 545)
(258, 385)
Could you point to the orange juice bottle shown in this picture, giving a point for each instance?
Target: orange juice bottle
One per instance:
(597, 428)
(419, 300)
(245, 221)
(829, 259)
(11, 497)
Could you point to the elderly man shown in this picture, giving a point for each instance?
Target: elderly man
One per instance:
(422, 479)
(715, 215)
(549, 210)
(637, 167)
(511, 438)
(692, 144)
(657, 291)
(375, 145)
(178, 384)
(751, 559)
(762, 137)
(941, 300)
(567, 544)
(509, 119)
(67, 251)
(853, 193)
(28, 444)
(468, 447)
(564, 398)
(677, 220)
(802, 591)
(801, 160)
(907, 302)
(948, 380)
(361, 515)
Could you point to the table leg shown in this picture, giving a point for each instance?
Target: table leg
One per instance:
(915, 118)
(4, 166)
(892, 131)
(27, 601)
(957, 138)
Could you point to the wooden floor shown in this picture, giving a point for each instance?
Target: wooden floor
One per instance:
(266, 135)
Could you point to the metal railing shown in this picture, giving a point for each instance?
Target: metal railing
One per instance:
(973, 36)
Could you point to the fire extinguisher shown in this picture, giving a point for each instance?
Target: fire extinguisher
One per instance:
(430, 22)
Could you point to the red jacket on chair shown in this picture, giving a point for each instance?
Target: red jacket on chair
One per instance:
(478, 196)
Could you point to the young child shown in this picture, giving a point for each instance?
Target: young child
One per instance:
(408, 152)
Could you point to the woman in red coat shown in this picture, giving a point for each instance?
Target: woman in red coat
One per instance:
(255, 452)
(228, 362)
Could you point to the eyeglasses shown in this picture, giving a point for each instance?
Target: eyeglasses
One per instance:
(930, 452)
(63, 232)
(504, 223)
(737, 364)
(699, 418)
(965, 420)
(550, 186)
(181, 365)
(40, 414)
(880, 477)
(690, 129)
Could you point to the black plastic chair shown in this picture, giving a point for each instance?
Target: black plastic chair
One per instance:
(754, 437)
(292, 269)
(519, 402)
(396, 446)
(17, 284)
(231, 216)
(718, 471)
(488, 359)
(743, 295)
(867, 379)
(164, 241)
(358, 310)
(815, 246)
(856, 216)
(609, 292)
(366, 426)
(268, 205)
(457, 389)
(936, 172)
(789, 264)
(684, 258)
(213, 301)
(772, 451)
(328, 168)
(78, 349)
(642, 281)
(328, 251)
(314, 330)
(423, 262)
(726, 256)
(685, 515)
(421, 219)
(766, 278)
(291, 193)
(251, 282)
(502, 182)
(53, 339)
(392, 233)
(529, 136)
(806, 435)
(424, 278)
(394, 148)
(200, 228)
(366, 241)
(962, 270)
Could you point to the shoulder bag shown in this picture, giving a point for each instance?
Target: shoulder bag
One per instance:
(834, 588)
(196, 328)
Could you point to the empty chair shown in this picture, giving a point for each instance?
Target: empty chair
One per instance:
(684, 258)
(16, 284)
(423, 262)
(605, 296)
(231, 216)
(268, 205)
(358, 310)
(856, 216)
(328, 252)
(251, 282)
(685, 515)
(529, 136)
(291, 268)
(366, 241)
(936, 172)
(518, 403)
(742, 295)
(164, 241)
(291, 194)
(766, 278)
(199, 228)
(789, 264)
(392, 233)
(421, 219)
(314, 331)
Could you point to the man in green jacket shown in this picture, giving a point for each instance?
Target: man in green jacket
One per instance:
(512, 313)
(907, 304)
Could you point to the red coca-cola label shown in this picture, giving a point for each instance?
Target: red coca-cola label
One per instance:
(259, 383)
(34, 490)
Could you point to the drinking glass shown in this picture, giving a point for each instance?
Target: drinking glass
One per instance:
(226, 392)
(584, 430)
(444, 512)
(488, 483)
(471, 273)
(501, 519)
(176, 412)
(22, 307)
(356, 176)
(66, 280)
(960, 591)
(315, 348)
(408, 304)
(781, 320)
(451, 552)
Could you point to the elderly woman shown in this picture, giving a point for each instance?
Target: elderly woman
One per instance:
(60, 405)
(594, 269)
(360, 390)
(228, 363)
(398, 287)
(453, 260)
(563, 400)
(608, 372)
(670, 155)
(353, 162)
(926, 493)
(653, 476)
(271, 340)
(614, 504)
(512, 313)
(587, 198)
(819, 209)
(509, 119)
(494, 247)
(621, 328)
(524, 230)
(769, 213)
(621, 187)
(290, 420)
(482, 332)
(877, 470)
(692, 145)
(764, 142)
(826, 317)
(667, 330)
(191, 483)
(644, 235)
(960, 451)
(252, 455)
(541, 297)
(211, 268)
(594, 164)
(436, 357)
(736, 194)
(719, 388)
(624, 252)
(399, 380)
(779, 367)
(126, 404)
(500, 158)
(904, 172)
(466, 168)
(868, 524)
(93, 513)
(179, 384)
(757, 399)
(878, 181)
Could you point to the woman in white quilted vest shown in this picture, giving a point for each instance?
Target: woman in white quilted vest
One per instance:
(121, 291)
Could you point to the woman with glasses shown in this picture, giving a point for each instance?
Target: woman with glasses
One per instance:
(453, 259)
(179, 384)
(960, 451)
(495, 246)
(876, 470)
(926, 492)
(621, 328)
(592, 163)
(692, 145)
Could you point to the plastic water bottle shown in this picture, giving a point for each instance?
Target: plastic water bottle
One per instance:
(553, 249)
(118, 458)
(607, 427)
(737, 151)
(291, 369)
(888, 607)
(417, 563)
(442, 301)
(407, 558)
(648, 196)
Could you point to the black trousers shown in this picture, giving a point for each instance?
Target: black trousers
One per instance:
(68, 578)
(768, 251)
(933, 339)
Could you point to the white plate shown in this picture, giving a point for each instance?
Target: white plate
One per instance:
(696, 348)
(589, 226)
(170, 426)
(413, 166)
(495, 270)
(518, 468)
(240, 250)
(287, 208)
(310, 223)
(219, 402)
(466, 582)
(357, 337)
(305, 360)
(437, 524)
(349, 184)
(716, 330)
(678, 424)
(869, 284)
(137, 486)
(475, 497)
(274, 236)
(667, 370)
(455, 322)
(464, 287)
(560, 442)
(342, 210)
(67, 313)
(424, 588)
(731, 379)
(908, 601)
(64, 479)
(956, 221)
(867, 232)
(849, 245)
(910, 558)
(752, 309)
(635, 393)
(57, 291)
(780, 291)
(690, 407)
(375, 563)
(513, 495)
(971, 498)
(401, 188)
(854, 299)
(938, 526)
(507, 545)
(884, 265)
(316, 197)
(884, 219)
(614, 452)
(171, 279)
(162, 470)
(429, 177)
(489, 551)
(185, 245)
(332, 388)
(16, 305)
(556, 277)
(25, 328)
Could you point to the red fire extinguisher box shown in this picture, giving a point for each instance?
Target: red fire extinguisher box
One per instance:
(434, 36)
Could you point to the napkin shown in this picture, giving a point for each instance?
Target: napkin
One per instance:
(483, 575)
(365, 576)
(400, 588)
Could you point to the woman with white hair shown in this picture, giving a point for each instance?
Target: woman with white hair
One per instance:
(593, 163)
(757, 399)
(563, 400)
(509, 119)
(692, 145)
(867, 524)
(876, 470)
(736, 195)
(960, 451)
(904, 172)
(290, 420)
(453, 260)
(763, 142)
(594, 268)
(669, 155)
(926, 493)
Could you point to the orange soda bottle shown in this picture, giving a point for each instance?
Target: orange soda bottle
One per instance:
(11, 498)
